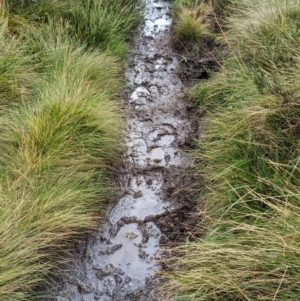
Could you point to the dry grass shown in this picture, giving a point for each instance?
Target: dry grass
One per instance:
(249, 161)
(191, 23)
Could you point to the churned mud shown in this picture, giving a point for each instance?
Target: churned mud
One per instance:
(119, 262)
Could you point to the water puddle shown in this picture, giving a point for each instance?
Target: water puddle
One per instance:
(120, 262)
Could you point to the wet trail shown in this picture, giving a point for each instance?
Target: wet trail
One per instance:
(119, 262)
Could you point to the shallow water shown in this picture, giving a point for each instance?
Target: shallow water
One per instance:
(120, 261)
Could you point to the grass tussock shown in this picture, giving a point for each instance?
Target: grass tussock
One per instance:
(16, 70)
(249, 160)
(100, 24)
(191, 21)
(60, 129)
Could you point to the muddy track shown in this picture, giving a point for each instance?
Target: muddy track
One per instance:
(119, 262)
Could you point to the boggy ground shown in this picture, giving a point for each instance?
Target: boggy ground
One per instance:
(119, 261)
(197, 60)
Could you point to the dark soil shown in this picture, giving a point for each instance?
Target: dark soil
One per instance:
(197, 60)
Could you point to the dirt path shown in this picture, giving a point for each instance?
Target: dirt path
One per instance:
(119, 262)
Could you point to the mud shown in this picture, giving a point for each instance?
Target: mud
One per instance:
(119, 261)
(199, 59)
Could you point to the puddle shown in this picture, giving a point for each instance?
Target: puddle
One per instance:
(120, 261)
(157, 155)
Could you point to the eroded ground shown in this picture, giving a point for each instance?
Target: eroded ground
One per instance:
(119, 262)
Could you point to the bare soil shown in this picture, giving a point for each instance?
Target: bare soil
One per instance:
(119, 261)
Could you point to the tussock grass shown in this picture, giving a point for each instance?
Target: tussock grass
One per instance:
(191, 20)
(270, 30)
(248, 253)
(60, 134)
(220, 6)
(73, 115)
(101, 24)
(242, 260)
(54, 158)
(16, 72)
(249, 161)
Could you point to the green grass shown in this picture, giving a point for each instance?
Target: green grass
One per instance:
(191, 21)
(54, 158)
(220, 6)
(249, 162)
(101, 24)
(61, 130)
(252, 257)
(16, 70)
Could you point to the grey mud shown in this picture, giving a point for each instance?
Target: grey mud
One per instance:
(119, 262)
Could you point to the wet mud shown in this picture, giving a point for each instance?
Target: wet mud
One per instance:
(119, 261)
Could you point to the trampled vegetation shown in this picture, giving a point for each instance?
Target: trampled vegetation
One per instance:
(249, 161)
(60, 71)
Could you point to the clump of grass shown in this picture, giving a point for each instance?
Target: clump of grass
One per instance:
(254, 256)
(269, 31)
(107, 25)
(61, 127)
(54, 161)
(191, 24)
(100, 24)
(16, 69)
(249, 161)
(220, 6)
(73, 103)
